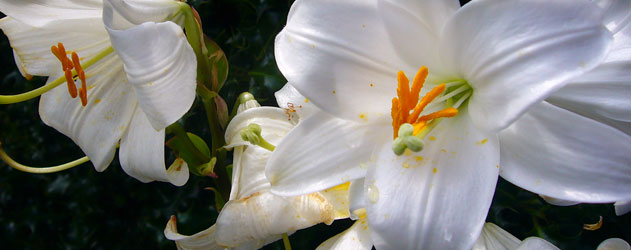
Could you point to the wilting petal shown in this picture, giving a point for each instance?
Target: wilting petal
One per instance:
(161, 66)
(495, 238)
(332, 50)
(32, 45)
(436, 198)
(142, 153)
(97, 127)
(281, 215)
(321, 152)
(622, 207)
(204, 240)
(337, 197)
(613, 244)
(512, 64)
(414, 28)
(291, 100)
(554, 152)
(356, 237)
(536, 243)
(85, 14)
(124, 14)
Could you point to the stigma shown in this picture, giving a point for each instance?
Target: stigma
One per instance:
(67, 65)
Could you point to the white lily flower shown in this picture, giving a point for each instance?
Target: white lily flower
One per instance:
(253, 216)
(494, 237)
(496, 68)
(132, 94)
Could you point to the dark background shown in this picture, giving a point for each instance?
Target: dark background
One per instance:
(81, 208)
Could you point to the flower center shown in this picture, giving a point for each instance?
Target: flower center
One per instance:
(67, 65)
(409, 126)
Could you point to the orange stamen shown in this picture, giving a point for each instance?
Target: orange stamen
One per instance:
(429, 97)
(417, 85)
(448, 112)
(67, 65)
(403, 91)
(396, 122)
(72, 89)
(76, 62)
(84, 96)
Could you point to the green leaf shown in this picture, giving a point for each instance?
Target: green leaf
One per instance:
(196, 165)
(218, 63)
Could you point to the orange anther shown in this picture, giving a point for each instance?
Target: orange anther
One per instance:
(76, 62)
(448, 112)
(403, 91)
(429, 97)
(417, 85)
(84, 96)
(72, 89)
(396, 122)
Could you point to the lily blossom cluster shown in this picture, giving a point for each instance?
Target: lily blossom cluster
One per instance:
(540, 91)
(138, 75)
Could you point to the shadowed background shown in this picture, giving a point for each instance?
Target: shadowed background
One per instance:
(81, 208)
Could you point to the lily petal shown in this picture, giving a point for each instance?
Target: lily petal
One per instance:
(558, 202)
(162, 68)
(414, 28)
(622, 207)
(616, 15)
(604, 93)
(356, 237)
(613, 244)
(142, 153)
(322, 152)
(495, 238)
(97, 127)
(437, 198)
(32, 45)
(42, 13)
(204, 240)
(536, 243)
(304, 211)
(325, 54)
(357, 198)
(291, 100)
(521, 53)
(554, 152)
(124, 14)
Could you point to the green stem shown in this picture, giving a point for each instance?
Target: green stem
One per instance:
(9, 99)
(266, 145)
(286, 242)
(12, 163)
(217, 150)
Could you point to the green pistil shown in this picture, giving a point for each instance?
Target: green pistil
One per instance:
(252, 134)
(9, 99)
(407, 140)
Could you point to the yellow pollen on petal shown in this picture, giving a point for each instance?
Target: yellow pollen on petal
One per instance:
(406, 107)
